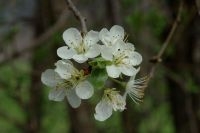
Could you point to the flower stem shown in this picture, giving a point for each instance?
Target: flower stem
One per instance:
(123, 84)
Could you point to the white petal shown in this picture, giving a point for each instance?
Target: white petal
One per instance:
(135, 58)
(103, 34)
(80, 58)
(113, 71)
(106, 52)
(57, 94)
(72, 98)
(64, 69)
(72, 37)
(117, 32)
(93, 51)
(65, 53)
(130, 46)
(131, 81)
(50, 78)
(103, 111)
(84, 90)
(128, 70)
(67, 61)
(91, 38)
(119, 47)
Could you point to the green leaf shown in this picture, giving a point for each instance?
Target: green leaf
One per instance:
(98, 78)
(99, 63)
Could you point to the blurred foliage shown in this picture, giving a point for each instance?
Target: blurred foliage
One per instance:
(191, 85)
(14, 80)
(158, 121)
(9, 36)
(112, 125)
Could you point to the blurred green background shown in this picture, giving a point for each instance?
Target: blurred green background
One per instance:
(31, 32)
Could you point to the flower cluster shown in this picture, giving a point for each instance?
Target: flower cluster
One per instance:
(106, 50)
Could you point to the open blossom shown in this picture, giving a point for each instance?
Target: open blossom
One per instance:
(67, 81)
(122, 55)
(111, 100)
(79, 48)
(124, 60)
(135, 88)
(109, 39)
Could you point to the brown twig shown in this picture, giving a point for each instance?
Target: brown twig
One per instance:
(198, 6)
(6, 56)
(158, 58)
(78, 15)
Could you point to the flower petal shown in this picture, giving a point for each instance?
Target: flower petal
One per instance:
(72, 98)
(80, 58)
(93, 51)
(129, 46)
(131, 81)
(117, 32)
(64, 69)
(91, 38)
(103, 34)
(106, 52)
(128, 70)
(113, 71)
(84, 90)
(72, 37)
(57, 94)
(103, 110)
(119, 47)
(67, 61)
(135, 58)
(65, 53)
(50, 78)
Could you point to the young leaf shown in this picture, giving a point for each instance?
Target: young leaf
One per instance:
(98, 78)
(99, 63)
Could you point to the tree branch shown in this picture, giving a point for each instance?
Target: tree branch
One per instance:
(198, 6)
(78, 15)
(158, 58)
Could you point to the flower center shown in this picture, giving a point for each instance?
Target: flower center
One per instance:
(118, 59)
(65, 84)
(110, 94)
(113, 97)
(76, 77)
(81, 48)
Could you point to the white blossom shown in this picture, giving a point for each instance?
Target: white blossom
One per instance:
(109, 39)
(124, 59)
(67, 81)
(79, 48)
(111, 100)
(135, 88)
